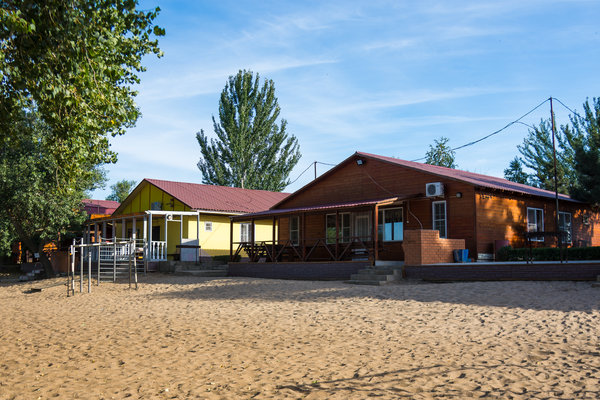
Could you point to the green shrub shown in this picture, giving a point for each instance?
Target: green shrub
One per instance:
(509, 253)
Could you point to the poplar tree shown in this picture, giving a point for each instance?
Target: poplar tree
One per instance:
(251, 149)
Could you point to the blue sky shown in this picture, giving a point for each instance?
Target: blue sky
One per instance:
(385, 77)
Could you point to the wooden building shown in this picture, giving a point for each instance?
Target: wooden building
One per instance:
(184, 221)
(363, 208)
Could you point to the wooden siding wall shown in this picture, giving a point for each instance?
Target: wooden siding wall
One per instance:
(504, 217)
(356, 183)
(480, 217)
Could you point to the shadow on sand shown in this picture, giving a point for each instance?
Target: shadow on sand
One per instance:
(558, 296)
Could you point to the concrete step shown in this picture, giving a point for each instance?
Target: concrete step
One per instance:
(388, 264)
(375, 276)
(377, 271)
(372, 277)
(368, 282)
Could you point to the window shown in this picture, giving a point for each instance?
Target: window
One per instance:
(245, 232)
(208, 226)
(344, 227)
(564, 225)
(535, 222)
(295, 230)
(362, 226)
(438, 212)
(390, 226)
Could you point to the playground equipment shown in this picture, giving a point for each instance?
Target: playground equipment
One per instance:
(108, 259)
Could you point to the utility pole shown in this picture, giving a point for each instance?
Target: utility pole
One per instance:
(559, 233)
(315, 164)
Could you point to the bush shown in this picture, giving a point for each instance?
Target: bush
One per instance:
(548, 253)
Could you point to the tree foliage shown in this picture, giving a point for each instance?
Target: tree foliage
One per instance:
(68, 68)
(515, 173)
(33, 209)
(537, 155)
(121, 190)
(75, 62)
(251, 149)
(584, 137)
(441, 154)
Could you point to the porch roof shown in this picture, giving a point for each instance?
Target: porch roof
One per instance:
(321, 207)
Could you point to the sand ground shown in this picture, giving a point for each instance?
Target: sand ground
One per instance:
(181, 337)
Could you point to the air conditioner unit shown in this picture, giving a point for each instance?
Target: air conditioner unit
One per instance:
(434, 189)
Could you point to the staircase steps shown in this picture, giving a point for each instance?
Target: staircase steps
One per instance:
(375, 276)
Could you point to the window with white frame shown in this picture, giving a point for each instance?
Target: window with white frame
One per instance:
(535, 222)
(208, 227)
(362, 226)
(564, 224)
(439, 220)
(390, 225)
(245, 232)
(295, 230)
(344, 228)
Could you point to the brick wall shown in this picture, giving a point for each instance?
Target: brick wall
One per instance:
(424, 246)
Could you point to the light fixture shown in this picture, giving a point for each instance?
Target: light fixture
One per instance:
(459, 194)
(359, 161)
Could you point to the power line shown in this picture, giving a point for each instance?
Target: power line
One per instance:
(563, 104)
(518, 120)
(307, 168)
(302, 173)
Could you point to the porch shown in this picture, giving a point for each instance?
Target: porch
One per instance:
(151, 226)
(353, 249)
(364, 231)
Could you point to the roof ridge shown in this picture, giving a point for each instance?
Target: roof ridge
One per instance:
(474, 178)
(211, 185)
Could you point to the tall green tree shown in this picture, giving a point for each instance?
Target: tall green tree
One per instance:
(72, 65)
(441, 154)
(584, 137)
(537, 155)
(515, 173)
(33, 210)
(121, 190)
(251, 149)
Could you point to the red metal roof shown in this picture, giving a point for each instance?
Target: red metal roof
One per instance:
(106, 207)
(219, 198)
(469, 177)
(278, 211)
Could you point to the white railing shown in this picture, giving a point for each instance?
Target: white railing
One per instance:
(158, 251)
(118, 250)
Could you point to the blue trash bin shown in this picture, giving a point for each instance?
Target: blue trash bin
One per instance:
(461, 255)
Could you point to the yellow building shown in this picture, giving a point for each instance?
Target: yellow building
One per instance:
(186, 221)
